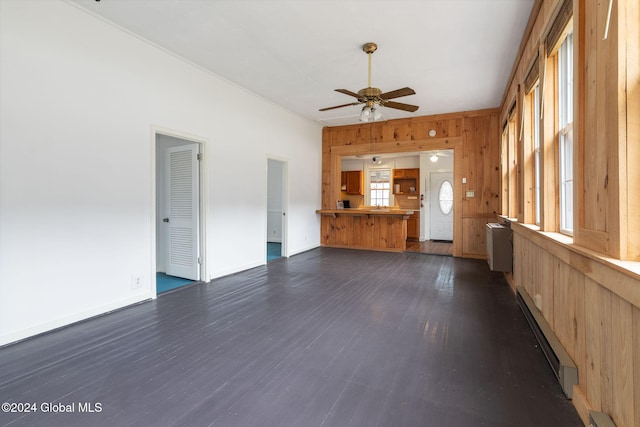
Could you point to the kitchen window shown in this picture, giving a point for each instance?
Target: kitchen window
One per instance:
(380, 186)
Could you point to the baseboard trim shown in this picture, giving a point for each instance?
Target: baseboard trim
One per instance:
(63, 322)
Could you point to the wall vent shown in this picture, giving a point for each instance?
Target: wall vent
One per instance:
(599, 419)
(561, 364)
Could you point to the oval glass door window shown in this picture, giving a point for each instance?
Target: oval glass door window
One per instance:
(445, 197)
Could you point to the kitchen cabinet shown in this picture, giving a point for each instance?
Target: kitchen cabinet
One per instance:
(377, 229)
(413, 229)
(404, 180)
(352, 183)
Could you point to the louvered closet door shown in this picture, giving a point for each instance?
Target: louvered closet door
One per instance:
(183, 210)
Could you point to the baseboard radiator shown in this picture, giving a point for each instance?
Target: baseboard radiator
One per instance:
(561, 364)
(599, 419)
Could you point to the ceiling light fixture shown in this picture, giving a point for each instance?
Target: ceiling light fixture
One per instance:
(370, 113)
(434, 157)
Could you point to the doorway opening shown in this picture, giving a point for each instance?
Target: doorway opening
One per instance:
(276, 240)
(179, 247)
(437, 208)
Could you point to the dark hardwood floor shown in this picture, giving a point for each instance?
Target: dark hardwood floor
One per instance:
(330, 337)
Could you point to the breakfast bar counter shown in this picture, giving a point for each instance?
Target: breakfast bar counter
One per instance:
(382, 229)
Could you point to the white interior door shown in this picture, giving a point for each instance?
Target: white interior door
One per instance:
(182, 212)
(441, 209)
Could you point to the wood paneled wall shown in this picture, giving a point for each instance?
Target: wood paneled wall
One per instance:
(474, 137)
(606, 124)
(593, 306)
(590, 283)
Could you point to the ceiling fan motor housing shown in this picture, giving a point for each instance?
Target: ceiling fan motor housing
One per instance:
(370, 92)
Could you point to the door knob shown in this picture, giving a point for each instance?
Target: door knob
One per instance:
(165, 220)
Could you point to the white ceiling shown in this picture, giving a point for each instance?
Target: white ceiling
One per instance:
(456, 54)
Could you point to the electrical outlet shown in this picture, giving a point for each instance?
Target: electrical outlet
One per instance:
(538, 301)
(136, 282)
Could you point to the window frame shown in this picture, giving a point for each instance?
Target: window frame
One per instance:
(373, 201)
(565, 135)
(537, 163)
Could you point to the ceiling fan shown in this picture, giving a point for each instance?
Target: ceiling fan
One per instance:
(373, 97)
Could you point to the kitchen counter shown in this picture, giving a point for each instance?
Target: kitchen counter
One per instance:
(366, 211)
(365, 228)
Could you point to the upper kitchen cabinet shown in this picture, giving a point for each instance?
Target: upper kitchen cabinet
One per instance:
(405, 181)
(352, 183)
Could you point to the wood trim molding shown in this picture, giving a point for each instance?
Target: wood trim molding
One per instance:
(397, 146)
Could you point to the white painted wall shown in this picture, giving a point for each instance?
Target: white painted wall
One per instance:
(78, 99)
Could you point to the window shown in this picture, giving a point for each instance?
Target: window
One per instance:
(565, 133)
(445, 197)
(531, 147)
(536, 150)
(380, 186)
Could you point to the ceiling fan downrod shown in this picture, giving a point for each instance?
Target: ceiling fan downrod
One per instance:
(369, 48)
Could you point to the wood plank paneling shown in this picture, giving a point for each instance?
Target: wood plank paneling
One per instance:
(590, 378)
(636, 365)
(622, 362)
(474, 232)
(545, 284)
(597, 326)
(630, 12)
(595, 297)
(474, 137)
(375, 232)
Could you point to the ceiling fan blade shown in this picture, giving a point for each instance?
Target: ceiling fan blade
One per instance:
(348, 92)
(401, 106)
(339, 106)
(405, 91)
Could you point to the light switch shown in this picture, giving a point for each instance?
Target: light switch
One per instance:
(464, 180)
(471, 194)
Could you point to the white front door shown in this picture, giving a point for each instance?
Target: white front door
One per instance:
(441, 209)
(182, 212)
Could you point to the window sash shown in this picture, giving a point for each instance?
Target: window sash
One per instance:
(536, 150)
(565, 133)
(380, 187)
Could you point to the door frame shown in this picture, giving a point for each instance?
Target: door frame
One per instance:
(285, 205)
(203, 199)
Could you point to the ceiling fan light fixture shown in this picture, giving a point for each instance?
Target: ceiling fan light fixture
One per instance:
(373, 97)
(433, 158)
(365, 114)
